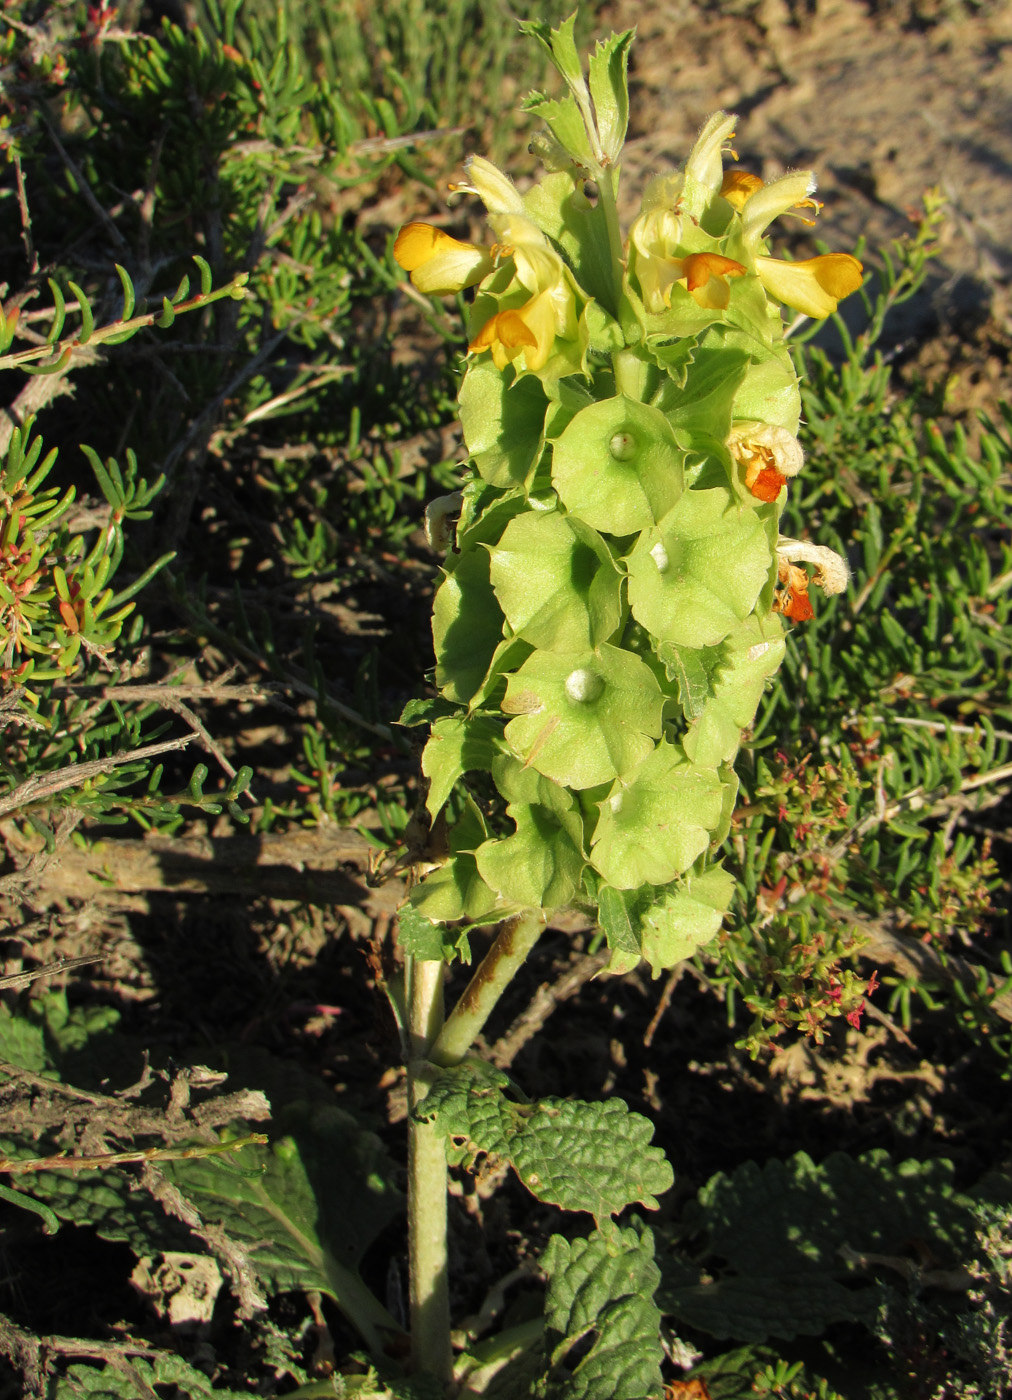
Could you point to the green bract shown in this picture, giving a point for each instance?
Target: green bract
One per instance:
(608, 620)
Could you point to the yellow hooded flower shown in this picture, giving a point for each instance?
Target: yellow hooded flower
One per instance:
(438, 264)
(653, 238)
(531, 329)
(704, 276)
(738, 185)
(813, 286)
(494, 188)
(527, 330)
(705, 165)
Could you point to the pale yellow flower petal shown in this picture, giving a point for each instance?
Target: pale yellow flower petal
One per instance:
(706, 159)
(496, 190)
(438, 264)
(814, 286)
(791, 191)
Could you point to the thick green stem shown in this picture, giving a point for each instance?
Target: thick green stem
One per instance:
(429, 1286)
(514, 941)
(607, 194)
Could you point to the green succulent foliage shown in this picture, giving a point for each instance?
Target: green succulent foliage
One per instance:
(580, 1156)
(778, 1230)
(601, 1289)
(608, 618)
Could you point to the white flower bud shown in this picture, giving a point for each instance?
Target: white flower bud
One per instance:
(583, 685)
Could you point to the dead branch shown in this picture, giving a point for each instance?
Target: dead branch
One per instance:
(41, 786)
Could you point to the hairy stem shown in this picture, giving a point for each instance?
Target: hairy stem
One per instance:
(429, 1286)
(514, 941)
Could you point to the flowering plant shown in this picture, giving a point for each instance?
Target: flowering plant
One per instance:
(613, 596)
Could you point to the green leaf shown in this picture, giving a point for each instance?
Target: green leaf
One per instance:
(777, 1232)
(609, 90)
(325, 1194)
(615, 916)
(683, 920)
(602, 1287)
(556, 581)
(21, 1042)
(456, 746)
(688, 669)
(733, 676)
(580, 1156)
(583, 720)
(617, 466)
(565, 121)
(455, 890)
(418, 937)
(703, 405)
(769, 392)
(560, 45)
(699, 573)
(466, 626)
(503, 420)
(559, 207)
(417, 712)
(540, 865)
(656, 820)
(137, 1376)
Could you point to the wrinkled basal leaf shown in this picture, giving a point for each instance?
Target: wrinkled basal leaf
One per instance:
(580, 1156)
(777, 1232)
(602, 1289)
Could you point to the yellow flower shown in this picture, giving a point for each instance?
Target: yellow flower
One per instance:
(438, 264)
(704, 275)
(653, 238)
(531, 329)
(705, 165)
(738, 186)
(765, 202)
(527, 330)
(495, 189)
(813, 286)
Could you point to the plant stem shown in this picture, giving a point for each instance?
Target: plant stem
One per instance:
(607, 194)
(514, 941)
(427, 1220)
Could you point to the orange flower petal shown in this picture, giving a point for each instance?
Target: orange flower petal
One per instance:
(739, 185)
(797, 607)
(765, 483)
(698, 268)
